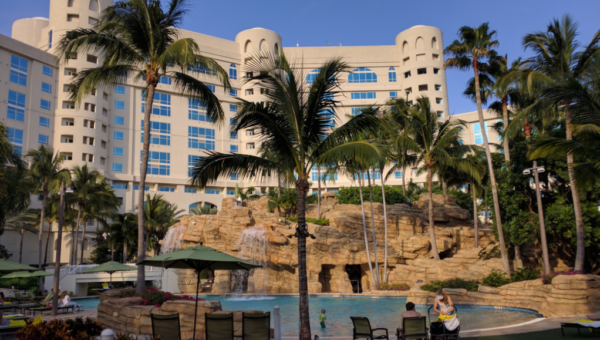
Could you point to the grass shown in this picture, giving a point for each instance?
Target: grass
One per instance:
(319, 221)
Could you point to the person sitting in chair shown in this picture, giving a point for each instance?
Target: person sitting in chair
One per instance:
(409, 313)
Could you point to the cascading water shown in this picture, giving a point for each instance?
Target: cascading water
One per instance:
(252, 246)
(171, 242)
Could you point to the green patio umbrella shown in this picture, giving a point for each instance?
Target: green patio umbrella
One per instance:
(198, 258)
(24, 274)
(10, 266)
(108, 267)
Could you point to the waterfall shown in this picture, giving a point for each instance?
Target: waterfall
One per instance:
(171, 243)
(252, 246)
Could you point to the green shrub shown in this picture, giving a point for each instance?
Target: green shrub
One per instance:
(435, 286)
(76, 329)
(154, 297)
(394, 286)
(319, 221)
(350, 195)
(524, 274)
(495, 279)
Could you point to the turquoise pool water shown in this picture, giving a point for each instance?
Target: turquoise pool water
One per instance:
(382, 312)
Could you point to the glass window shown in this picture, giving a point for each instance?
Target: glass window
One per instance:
(44, 104)
(158, 163)
(362, 75)
(47, 71)
(159, 133)
(117, 151)
(312, 76)
(195, 133)
(234, 177)
(363, 95)
(357, 110)
(45, 122)
(190, 190)
(393, 94)
(119, 185)
(16, 98)
(233, 135)
(161, 105)
(166, 189)
(15, 136)
(119, 105)
(137, 187)
(197, 110)
(398, 174)
(232, 72)
(18, 70)
(43, 139)
(231, 121)
(46, 88)
(233, 148)
(117, 167)
(232, 108)
(164, 80)
(231, 192)
(50, 39)
(233, 93)
(119, 89)
(392, 75)
(212, 191)
(118, 120)
(202, 69)
(15, 113)
(478, 134)
(211, 87)
(117, 135)
(192, 162)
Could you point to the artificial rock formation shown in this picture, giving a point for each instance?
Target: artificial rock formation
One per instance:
(336, 259)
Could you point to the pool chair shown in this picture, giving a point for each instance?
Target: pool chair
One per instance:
(413, 328)
(166, 326)
(256, 326)
(438, 331)
(218, 326)
(42, 308)
(362, 329)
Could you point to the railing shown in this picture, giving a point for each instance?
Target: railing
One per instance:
(75, 269)
(344, 287)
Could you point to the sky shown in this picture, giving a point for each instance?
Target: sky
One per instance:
(372, 22)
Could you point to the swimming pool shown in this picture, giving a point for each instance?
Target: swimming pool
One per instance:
(382, 312)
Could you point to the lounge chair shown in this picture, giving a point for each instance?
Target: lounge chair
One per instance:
(413, 328)
(256, 326)
(166, 326)
(362, 329)
(218, 326)
(41, 308)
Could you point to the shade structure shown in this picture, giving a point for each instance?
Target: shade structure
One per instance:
(10, 266)
(198, 258)
(108, 267)
(23, 274)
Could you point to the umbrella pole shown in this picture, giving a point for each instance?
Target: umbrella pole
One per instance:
(196, 310)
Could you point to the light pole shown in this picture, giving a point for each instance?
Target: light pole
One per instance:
(536, 170)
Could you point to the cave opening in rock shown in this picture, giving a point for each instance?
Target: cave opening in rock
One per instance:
(354, 275)
(325, 278)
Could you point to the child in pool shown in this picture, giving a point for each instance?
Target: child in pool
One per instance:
(322, 318)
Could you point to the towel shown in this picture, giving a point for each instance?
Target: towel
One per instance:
(588, 323)
(16, 323)
(37, 320)
(451, 322)
(12, 316)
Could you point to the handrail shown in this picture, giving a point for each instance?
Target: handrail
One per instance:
(344, 286)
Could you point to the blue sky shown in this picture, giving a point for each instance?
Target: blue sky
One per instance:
(373, 22)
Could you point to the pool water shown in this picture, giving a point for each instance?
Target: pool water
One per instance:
(382, 312)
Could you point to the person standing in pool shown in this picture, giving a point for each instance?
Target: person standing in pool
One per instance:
(322, 318)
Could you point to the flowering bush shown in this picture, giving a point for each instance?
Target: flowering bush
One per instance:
(74, 329)
(153, 296)
(548, 278)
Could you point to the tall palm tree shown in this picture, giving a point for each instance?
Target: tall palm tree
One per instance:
(125, 227)
(474, 45)
(138, 37)
(437, 145)
(203, 210)
(159, 215)
(399, 123)
(23, 222)
(294, 118)
(558, 59)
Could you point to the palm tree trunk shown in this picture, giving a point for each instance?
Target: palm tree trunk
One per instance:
(47, 242)
(319, 196)
(141, 275)
(403, 182)
(44, 202)
(444, 188)
(488, 154)
(21, 249)
(302, 187)
(434, 249)
(82, 241)
(373, 229)
(518, 257)
(580, 232)
(125, 251)
(278, 185)
(362, 209)
(545, 256)
(75, 239)
(505, 119)
(61, 210)
(475, 217)
(385, 227)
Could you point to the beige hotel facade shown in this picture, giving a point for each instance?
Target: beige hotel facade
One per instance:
(105, 131)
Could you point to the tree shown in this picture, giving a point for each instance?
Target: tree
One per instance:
(296, 118)
(138, 37)
(399, 123)
(23, 222)
(125, 226)
(473, 47)
(159, 215)
(203, 210)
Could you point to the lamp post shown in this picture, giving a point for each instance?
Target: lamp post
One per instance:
(536, 170)
(61, 213)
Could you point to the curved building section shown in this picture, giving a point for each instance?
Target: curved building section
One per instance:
(422, 66)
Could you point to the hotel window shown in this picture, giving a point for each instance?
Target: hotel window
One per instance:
(422, 71)
(233, 148)
(478, 134)
(16, 98)
(43, 139)
(233, 135)
(233, 93)
(211, 191)
(164, 80)
(119, 89)
(438, 100)
(15, 136)
(161, 105)
(15, 113)
(202, 69)
(357, 110)
(312, 76)
(118, 120)
(233, 108)
(92, 59)
(232, 72)
(436, 71)
(392, 75)
(393, 95)
(117, 167)
(233, 176)
(230, 192)
(438, 87)
(159, 133)
(117, 151)
(363, 95)
(250, 146)
(166, 189)
(211, 87)
(362, 75)
(197, 110)
(436, 57)
(193, 160)
(68, 122)
(44, 104)
(440, 114)
(158, 163)
(46, 88)
(249, 74)
(118, 135)
(231, 121)
(407, 74)
(198, 138)
(119, 105)
(18, 70)
(250, 92)
(190, 190)
(47, 71)
(119, 186)
(45, 122)
(500, 122)
(423, 87)
(330, 116)
(398, 174)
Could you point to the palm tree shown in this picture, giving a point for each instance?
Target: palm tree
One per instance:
(203, 210)
(139, 37)
(125, 226)
(159, 215)
(294, 119)
(472, 48)
(557, 61)
(399, 122)
(437, 145)
(23, 222)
